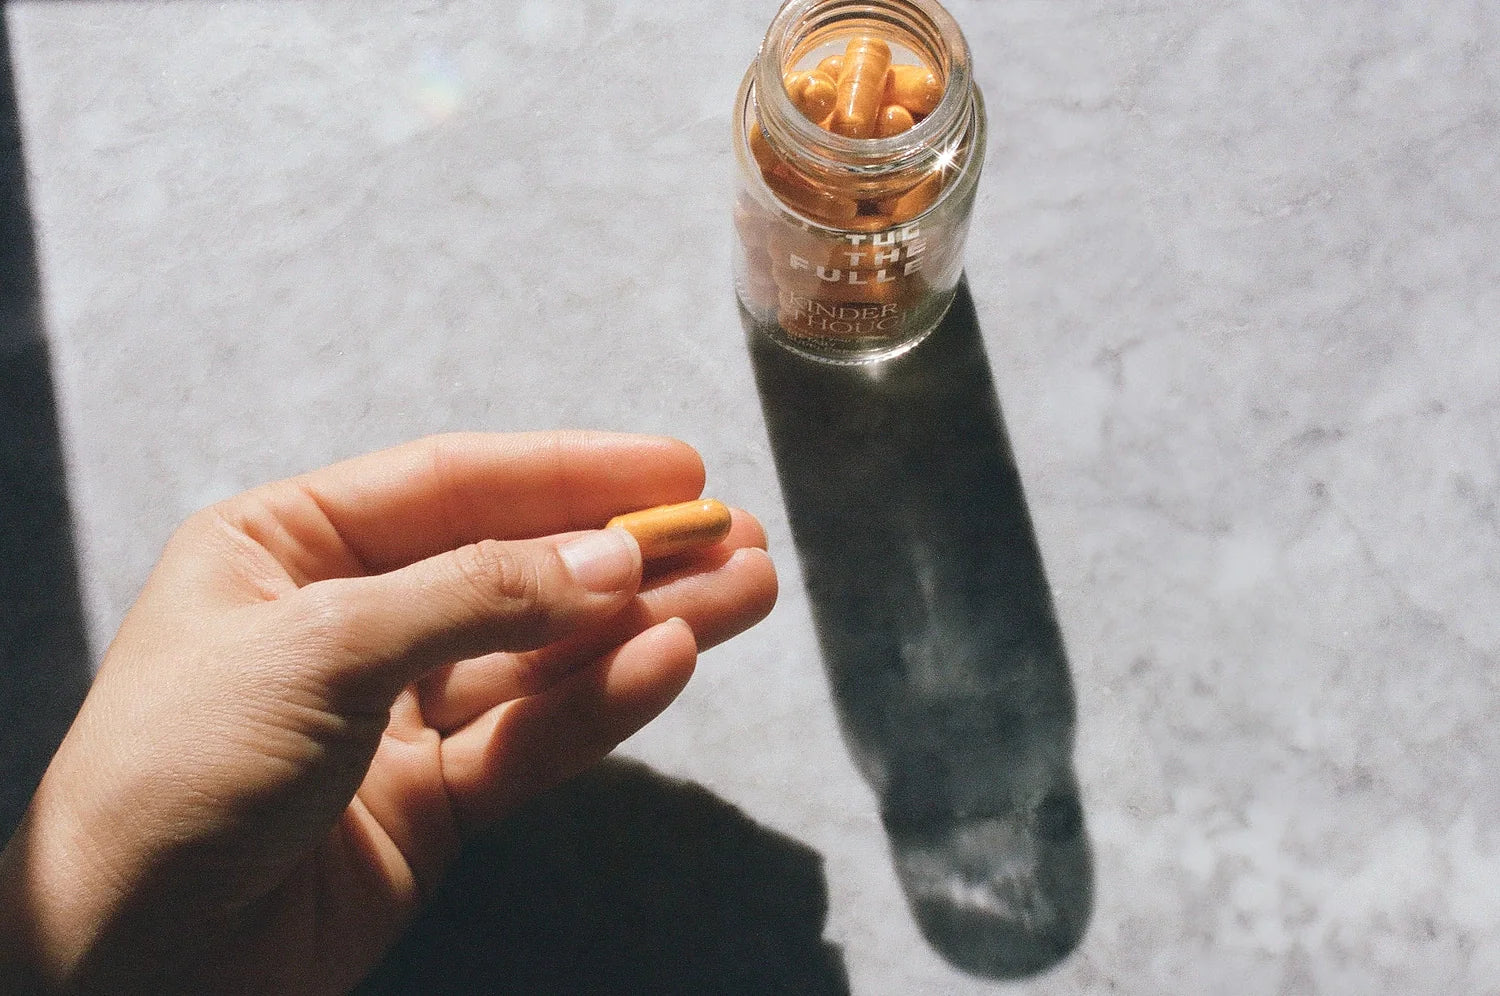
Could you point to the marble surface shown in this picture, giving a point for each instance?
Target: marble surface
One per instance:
(1235, 270)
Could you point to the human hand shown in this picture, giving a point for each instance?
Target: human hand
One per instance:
(326, 681)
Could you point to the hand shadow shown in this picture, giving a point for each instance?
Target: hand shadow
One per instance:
(44, 658)
(623, 882)
(938, 636)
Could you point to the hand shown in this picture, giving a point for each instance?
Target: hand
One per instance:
(326, 681)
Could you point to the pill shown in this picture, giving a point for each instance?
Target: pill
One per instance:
(869, 223)
(906, 206)
(761, 149)
(667, 530)
(915, 88)
(894, 119)
(794, 190)
(812, 93)
(816, 202)
(861, 88)
(832, 66)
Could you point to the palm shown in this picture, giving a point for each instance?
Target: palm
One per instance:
(343, 901)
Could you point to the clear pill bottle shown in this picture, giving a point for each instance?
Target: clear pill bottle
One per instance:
(859, 135)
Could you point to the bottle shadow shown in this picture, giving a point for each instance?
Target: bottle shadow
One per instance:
(938, 636)
(622, 882)
(44, 657)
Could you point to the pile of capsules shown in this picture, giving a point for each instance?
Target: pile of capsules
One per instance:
(859, 94)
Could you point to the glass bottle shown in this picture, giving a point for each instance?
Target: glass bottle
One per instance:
(850, 232)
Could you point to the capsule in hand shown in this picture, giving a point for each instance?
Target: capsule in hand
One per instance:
(667, 530)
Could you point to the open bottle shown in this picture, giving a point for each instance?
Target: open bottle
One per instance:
(859, 136)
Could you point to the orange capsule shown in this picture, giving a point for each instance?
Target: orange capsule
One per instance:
(894, 119)
(812, 200)
(832, 66)
(812, 93)
(915, 88)
(796, 191)
(869, 223)
(667, 530)
(861, 88)
(905, 206)
(760, 149)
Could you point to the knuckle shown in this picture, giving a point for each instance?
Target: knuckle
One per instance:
(329, 621)
(212, 526)
(502, 579)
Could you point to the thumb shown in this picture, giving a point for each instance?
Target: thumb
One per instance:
(375, 635)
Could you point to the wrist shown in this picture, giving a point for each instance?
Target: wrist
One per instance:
(49, 916)
(20, 948)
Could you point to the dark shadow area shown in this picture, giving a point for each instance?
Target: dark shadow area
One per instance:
(939, 637)
(623, 881)
(44, 662)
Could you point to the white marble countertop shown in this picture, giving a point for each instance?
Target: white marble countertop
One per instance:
(1236, 273)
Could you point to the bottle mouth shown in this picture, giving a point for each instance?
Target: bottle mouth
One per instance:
(922, 27)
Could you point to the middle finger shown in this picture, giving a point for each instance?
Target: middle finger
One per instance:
(718, 592)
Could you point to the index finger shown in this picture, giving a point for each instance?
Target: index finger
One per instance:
(398, 506)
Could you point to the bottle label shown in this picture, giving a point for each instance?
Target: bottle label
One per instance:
(863, 288)
(854, 288)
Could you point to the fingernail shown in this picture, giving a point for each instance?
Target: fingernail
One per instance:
(603, 561)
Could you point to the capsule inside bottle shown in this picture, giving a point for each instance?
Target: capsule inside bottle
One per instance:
(861, 86)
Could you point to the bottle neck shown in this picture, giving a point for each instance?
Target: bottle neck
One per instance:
(920, 26)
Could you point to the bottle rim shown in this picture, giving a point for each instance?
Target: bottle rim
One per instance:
(941, 44)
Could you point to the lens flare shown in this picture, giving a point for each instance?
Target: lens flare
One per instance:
(439, 87)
